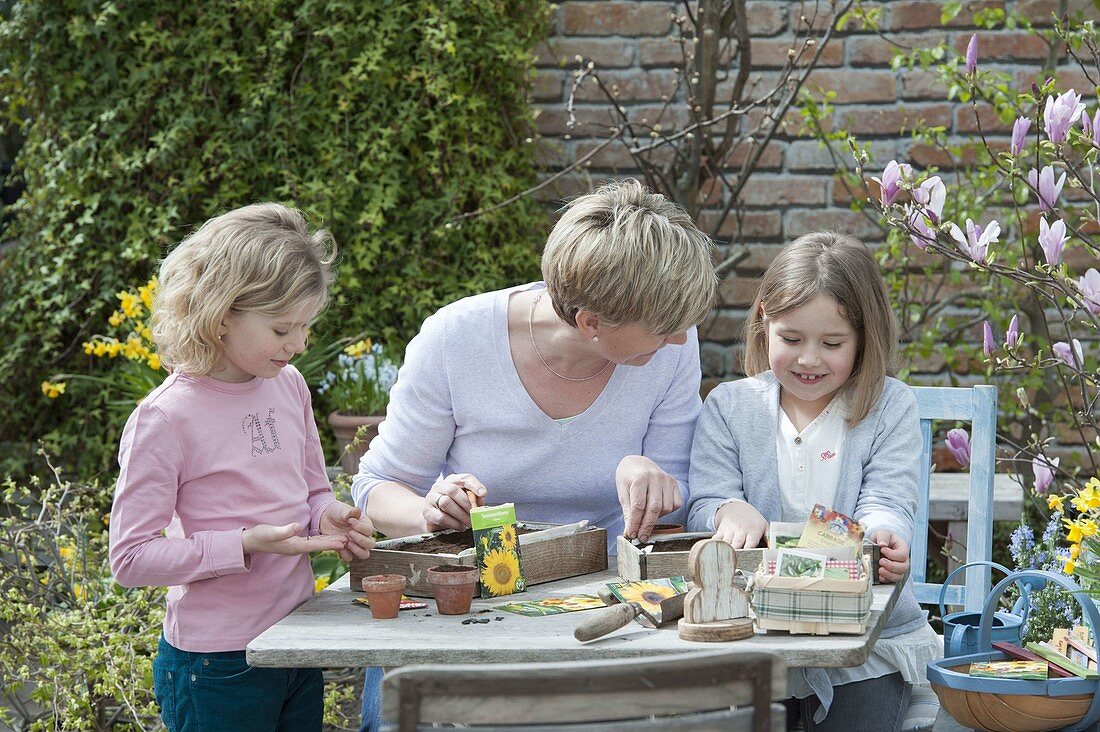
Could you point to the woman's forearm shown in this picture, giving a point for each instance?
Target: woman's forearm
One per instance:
(396, 510)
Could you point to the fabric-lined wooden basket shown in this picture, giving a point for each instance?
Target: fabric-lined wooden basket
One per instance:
(811, 605)
(1017, 705)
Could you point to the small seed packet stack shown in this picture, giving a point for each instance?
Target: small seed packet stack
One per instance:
(829, 528)
(496, 545)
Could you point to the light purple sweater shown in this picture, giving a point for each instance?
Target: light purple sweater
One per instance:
(459, 407)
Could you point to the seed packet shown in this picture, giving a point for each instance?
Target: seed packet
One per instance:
(827, 527)
(1009, 669)
(553, 605)
(496, 545)
(406, 603)
(649, 593)
(784, 534)
(795, 563)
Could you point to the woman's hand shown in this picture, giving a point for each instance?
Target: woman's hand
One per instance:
(340, 519)
(645, 493)
(740, 524)
(448, 503)
(285, 540)
(893, 565)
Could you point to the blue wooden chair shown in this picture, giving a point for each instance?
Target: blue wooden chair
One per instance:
(977, 405)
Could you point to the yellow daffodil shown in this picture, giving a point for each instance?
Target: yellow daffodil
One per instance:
(146, 293)
(116, 318)
(320, 583)
(1054, 503)
(1087, 499)
(154, 362)
(1074, 551)
(79, 592)
(358, 349)
(68, 553)
(89, 348)
(1088, 527)
(1074, 535)
(53, 390)
(100, 348)
(1070, 566)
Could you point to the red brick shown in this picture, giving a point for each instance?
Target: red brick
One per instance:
(879, 51)
(923, 155)
(769, 53)
(918, 84)
(986, 120)
(617, 18)
(723, 326)
(1069, 77)
(661, 52)
(770, 159)
(785, 190)
(842, 196)
(1040, 11)
(855, 86)
(606, 53)
(548, 86)
(892, 120)
(629, 86)
(1015, 47)
(572, 184)
(738, 291)
(552, 120)
(766, 18)
(616, 156)
(812, 17)
(753, 225)
(802, 221)
(910, 15)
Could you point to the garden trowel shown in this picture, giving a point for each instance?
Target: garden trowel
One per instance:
(601, 622)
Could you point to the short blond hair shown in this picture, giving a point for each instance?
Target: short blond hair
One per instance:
(840, 266)
(630, 256)
(261, 258)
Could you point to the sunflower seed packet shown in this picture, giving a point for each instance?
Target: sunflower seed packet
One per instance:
(496, 545)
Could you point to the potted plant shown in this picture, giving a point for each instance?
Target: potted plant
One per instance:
(358, 390)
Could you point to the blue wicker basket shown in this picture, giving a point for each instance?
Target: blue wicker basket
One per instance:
(1016, 705)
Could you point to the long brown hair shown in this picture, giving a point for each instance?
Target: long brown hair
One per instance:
(840, 266)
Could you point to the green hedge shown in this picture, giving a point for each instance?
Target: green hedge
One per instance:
(381, 119)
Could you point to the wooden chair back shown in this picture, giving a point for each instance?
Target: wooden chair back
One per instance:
(977, 405)
(700, 688)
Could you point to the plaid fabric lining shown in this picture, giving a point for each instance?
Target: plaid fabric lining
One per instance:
(851, 565)
(812, 607)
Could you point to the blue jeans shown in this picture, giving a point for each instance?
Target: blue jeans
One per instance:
(372, 701)
(211, 692)
(874, 705)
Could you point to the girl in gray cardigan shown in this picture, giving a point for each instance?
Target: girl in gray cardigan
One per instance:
(819, 421)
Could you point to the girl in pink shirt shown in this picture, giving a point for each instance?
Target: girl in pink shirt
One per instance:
(222, 491)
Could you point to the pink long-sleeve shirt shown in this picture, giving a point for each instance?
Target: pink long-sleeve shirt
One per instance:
(201, 460)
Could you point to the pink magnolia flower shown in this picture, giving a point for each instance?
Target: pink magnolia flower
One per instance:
(958, 442)
(972, 54)
(920, 232)
(1048, 189)
(1012, 335)
(1090, 288)
(1019, 134)
(891, 177)
(1060, 114)
(1070, 355)
(977, 240)
(1095, 126)
(989, 343)
(1043, 468)
(931, 194)
(1052, 239)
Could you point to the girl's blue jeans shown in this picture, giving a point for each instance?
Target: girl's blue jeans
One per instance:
(212, 692)
(372, 701)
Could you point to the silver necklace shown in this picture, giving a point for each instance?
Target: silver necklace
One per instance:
(531, 330)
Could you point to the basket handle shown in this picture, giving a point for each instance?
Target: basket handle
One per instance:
(1041, 578)
(962, 568)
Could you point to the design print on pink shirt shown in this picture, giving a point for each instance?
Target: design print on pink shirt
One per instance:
(251, 426)
(827, 455)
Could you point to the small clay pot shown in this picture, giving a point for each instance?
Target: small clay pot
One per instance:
(453, 587)
(384, 592)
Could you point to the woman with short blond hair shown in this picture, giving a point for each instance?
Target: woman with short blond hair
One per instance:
(574, 398)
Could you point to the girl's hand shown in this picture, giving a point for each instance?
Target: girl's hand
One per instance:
(285, 540)
(893, 565)
(340, 519)
(645, 494)
(740, 524)
(448, 503)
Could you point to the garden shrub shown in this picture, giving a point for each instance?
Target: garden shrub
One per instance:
(382, 120)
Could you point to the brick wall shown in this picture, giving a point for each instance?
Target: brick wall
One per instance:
(793, 190)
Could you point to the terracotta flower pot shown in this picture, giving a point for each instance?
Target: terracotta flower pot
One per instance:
(345, 427)
(384, 592)
(453, 588)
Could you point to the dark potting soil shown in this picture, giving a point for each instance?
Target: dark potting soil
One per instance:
(449, 543)
(452, 568)
(676, 545)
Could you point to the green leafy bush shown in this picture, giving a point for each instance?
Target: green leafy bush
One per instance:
(382, 120)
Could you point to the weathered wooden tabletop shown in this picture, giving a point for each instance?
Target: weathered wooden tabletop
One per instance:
(330, 630)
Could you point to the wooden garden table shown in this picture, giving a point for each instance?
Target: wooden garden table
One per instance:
(331, 631)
